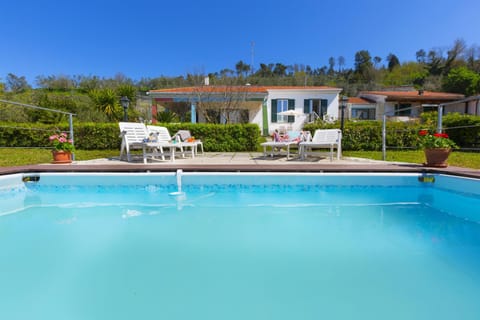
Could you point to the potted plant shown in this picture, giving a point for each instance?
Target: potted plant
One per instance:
(437, 148)
(62, 148)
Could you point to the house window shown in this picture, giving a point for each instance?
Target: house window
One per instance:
(319, 106)
(363, 113)
(280, 105)
(429, 108)
(399, 109)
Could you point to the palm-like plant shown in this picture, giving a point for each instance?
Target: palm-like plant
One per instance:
(106, 101)
(166, 116)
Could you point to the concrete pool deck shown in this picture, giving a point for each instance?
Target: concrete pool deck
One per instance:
(240, 161)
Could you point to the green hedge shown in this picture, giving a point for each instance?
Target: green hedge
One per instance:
(367, 135)
(464, 130)
(98, 136)
(358, 136)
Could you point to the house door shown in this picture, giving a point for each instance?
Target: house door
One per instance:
(319, 106)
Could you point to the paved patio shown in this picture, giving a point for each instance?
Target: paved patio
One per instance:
(223, 158)
(240, 161)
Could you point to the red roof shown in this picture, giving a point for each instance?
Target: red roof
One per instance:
(415, 95)
(357, 100)
(250, 89)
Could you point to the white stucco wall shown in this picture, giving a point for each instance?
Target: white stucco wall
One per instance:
(299, 95)
(255, 116)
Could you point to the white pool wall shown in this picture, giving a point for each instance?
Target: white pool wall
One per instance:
(458, 184)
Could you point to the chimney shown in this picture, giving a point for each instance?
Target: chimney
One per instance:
(206, 81)
(420, 92)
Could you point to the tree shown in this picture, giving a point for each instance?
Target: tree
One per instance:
(363, 66)
(331, 65)
(472, 58)
(242, 68)
(280, 70)
(406, 74)
(421, 56)
(87, 84)
(392, 61)
(341, 63)
(265, 71)
(453, 54)
(16, 84)
(435, 62)
(59, 83)
(462, 80)
(376, 61)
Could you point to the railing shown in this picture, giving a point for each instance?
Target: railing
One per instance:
(311, 117)
(439, 127)
(70, 117)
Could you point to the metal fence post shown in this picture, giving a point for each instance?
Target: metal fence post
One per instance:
(384, 137)
(70, 123)
(439, 118)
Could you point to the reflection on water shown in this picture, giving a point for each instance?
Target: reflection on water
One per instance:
(240, 253)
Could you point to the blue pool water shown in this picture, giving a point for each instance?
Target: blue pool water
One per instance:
(313, 246)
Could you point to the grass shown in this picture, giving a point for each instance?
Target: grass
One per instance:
(18, 157)
(456, 158)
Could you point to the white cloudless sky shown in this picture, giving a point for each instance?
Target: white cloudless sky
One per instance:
(151, 38)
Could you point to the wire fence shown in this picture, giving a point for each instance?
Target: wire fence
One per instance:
(29, 106)
(474, 145)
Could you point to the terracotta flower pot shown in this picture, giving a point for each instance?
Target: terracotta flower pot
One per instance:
(437, 157)
(61, 157)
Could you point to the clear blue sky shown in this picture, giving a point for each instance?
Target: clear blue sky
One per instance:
(150, 38)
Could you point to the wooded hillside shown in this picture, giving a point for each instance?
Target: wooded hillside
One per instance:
(455, 69)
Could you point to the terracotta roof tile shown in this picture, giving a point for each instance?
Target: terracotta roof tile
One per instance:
(415, 95)
(250, 89)
(357, 100)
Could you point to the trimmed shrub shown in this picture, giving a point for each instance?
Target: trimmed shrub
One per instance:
(98, 136)
(463, 129)
(367, 135)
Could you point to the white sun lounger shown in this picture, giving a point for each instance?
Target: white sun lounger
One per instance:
(277, 146)
(323, 139)
(135, 136)
(161, 134)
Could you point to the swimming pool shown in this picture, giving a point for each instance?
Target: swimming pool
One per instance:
(239, 246)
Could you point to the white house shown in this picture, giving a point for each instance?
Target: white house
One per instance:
(271, 107)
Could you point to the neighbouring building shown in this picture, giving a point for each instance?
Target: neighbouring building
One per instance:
(271, 107)
(362, 109)
(405, 104)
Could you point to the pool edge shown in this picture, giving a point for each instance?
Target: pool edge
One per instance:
(363, 168)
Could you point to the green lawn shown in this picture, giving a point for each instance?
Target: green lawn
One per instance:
(456, 158)
(18, 157)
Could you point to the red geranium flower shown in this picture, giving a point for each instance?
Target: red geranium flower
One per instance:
(435, 140)
(423, 132)
(441, 135)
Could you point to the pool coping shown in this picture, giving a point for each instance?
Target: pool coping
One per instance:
(311, 167)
